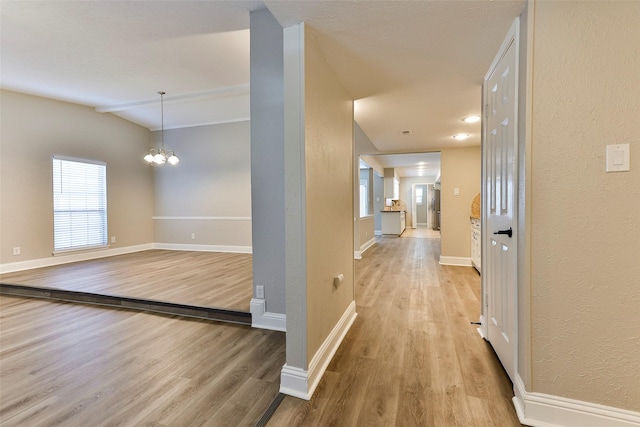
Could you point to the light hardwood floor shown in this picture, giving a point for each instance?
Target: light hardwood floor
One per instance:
(67, 364)
(205, 279)
(421, 232)
(412, 358)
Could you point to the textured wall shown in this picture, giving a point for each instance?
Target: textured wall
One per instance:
(329, 198)
(33, 130)
(585, 241)
(460, 167)
(267, 158)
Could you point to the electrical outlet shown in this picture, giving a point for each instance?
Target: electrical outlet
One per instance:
(16, 250)
(193, 236)
(113, 239)
(260, 292)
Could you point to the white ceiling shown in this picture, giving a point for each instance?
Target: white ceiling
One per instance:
(411, 65)
(412, 164)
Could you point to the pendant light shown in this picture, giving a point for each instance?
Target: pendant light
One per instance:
(161, 156)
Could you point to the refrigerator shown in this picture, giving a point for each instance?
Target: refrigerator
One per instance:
(435, 207)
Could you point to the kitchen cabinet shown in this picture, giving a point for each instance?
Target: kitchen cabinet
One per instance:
(393, 222)
(476, 244)
(391, 184)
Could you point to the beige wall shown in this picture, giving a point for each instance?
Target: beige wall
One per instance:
(585, 240)
(209, 190)
(34, 129)
(460, 168)
(365, 230)
(329, 215)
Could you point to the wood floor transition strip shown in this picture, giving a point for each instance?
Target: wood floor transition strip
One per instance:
(208, 313)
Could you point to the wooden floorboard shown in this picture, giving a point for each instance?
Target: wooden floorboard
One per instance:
(65, 364)
(412, 356)
(203, 279)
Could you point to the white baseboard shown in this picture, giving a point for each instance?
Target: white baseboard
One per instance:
(262, 319)
(544, 410)
(71, 257)
(367, 245)
(300, 383)
(357, 255)
(294, 382)
(455, 260)
(203, 248)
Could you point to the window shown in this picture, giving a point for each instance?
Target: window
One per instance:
(419, 196)
(79, 204)
(366, 189)
(364, 198)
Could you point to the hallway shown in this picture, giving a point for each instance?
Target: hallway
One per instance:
(412, 357)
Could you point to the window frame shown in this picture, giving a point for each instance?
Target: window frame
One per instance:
(102, 241)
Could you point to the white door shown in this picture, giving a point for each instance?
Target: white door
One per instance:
(499, 181)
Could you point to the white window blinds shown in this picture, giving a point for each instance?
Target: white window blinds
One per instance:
(79, 204)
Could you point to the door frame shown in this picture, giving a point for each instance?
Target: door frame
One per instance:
(512, 37)
(414, 207)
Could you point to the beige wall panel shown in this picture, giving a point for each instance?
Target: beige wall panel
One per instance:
(585, 241)
(329, 196)
(33, 130)
(366, 229)
(460, 168)
(215, 232)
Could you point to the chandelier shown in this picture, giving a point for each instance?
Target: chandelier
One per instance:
(161, 156)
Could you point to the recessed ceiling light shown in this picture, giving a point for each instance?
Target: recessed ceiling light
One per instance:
(406, 132)
(461, 136)
(421, 163)
(471, 119)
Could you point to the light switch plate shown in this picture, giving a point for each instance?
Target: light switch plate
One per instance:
(456, 191)
(617, 158)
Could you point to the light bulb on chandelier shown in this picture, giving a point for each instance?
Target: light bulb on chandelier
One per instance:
(161, 156)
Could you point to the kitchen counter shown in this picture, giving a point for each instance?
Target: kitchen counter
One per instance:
(393, 222)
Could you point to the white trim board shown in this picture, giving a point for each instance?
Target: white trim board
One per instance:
(367, 245)
(203, 248)
(201, 218)
(544, 410)
(71, 257)
(455, 260)
(262, 319)
(299, 383)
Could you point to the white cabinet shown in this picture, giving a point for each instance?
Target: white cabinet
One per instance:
(476, 244)
(393, 222)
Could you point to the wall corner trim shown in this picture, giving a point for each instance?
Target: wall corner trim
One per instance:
(544, 410)
(262, 319)
(456, 260)
(300, 383)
